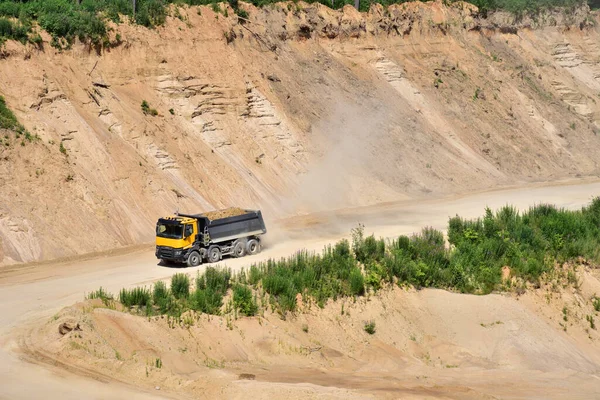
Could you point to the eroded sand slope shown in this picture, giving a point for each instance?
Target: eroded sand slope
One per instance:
(302, 109)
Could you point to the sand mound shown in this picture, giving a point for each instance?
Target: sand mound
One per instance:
(426, 344)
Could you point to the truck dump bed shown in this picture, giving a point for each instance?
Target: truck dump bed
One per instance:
(247, 224)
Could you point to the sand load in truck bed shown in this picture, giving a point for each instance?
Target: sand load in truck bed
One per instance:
(225, 213)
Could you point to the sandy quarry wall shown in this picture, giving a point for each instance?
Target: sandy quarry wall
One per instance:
(301, 109)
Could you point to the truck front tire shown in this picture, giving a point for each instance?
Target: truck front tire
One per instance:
(194, 259)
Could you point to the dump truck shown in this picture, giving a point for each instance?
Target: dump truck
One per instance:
(196, 238)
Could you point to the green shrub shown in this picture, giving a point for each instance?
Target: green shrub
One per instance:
(217, 279)
(207, 301)
(370, 327)
(320, 276)
(357, 282)
(10, 9)
(180, 286)
(14, 30)
(160, 292)
(211, 287)
(243, 301)
(65, 19)
(596, 303)
(162, 298)
(100, 294)
(169, 305)
(255, 275)
(374, 276)
(147, 110)
(151, 13)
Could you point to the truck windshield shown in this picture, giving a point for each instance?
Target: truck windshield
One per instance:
(169, 231)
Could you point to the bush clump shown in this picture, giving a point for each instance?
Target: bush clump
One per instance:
(243, 300)
(139, 296)
(211, 287)
(319, 276)
(162, 298)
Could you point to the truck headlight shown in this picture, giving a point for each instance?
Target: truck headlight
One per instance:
(177, 252)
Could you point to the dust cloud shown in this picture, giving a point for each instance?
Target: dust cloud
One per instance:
(349, 134)
(350, 139)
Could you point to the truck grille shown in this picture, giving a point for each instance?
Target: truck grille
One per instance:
(165, 252)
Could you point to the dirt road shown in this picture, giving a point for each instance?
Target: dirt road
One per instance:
(31, 293)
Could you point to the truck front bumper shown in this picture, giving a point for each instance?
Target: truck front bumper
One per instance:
(171, 254)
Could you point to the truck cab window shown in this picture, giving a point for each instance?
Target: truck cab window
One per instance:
(169, 231)
(188, 230)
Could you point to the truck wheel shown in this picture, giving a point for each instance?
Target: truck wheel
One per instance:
(253, 246)
(239, 250)
(214, 254)
(194, 259)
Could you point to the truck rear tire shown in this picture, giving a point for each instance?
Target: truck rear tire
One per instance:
(239, 249)
(214, 254)
(253, 246)
(194, 259)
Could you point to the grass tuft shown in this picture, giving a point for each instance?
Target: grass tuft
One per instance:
(102, 295)
(370, 327)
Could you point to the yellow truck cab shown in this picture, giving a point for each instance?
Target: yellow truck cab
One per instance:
(191, 239)
(176, 233)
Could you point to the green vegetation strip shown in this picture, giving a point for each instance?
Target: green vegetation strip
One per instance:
(9, 122)
(530, 244)
(66, 20)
